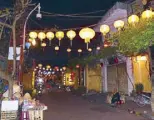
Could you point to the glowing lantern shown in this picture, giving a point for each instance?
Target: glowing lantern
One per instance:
(56, 48)
(56, 68)
(79, 51)
(119, 24)
(106, 44)
(43, 44)
(69, 50)
(59, 36)
(89, 49)
(64, 68)
(39, 65)
(87, 34)
(77, 66)
(104, 29)
(133, 19)
(33, 35)
(71, 35)
(41, 36)
(98, 48)
(147, 14)
(28, 44)
(33, 42)
(48, 66)
(50, 36)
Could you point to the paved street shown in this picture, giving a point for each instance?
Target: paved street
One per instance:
(64, 106)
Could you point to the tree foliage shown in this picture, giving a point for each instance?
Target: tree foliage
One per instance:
(136, 39)
(106, 52)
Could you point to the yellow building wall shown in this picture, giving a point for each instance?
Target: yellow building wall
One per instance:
(141, 72)
(27, 80)
(94, 79)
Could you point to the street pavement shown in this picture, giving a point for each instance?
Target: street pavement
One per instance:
(65, 106)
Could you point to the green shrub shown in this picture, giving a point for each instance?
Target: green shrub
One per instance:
(139, 87)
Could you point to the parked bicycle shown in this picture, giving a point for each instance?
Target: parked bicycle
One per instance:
(142, 100)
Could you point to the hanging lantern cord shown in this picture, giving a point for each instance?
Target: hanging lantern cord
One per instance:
(87, 46)
(50, 42)
(59, 42)
(71, 43)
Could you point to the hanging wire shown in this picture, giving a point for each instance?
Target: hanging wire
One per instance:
(76, 14)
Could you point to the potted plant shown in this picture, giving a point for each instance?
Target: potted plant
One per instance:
(139, 88)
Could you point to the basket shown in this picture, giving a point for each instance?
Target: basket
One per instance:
(9, 115)
(35, 114)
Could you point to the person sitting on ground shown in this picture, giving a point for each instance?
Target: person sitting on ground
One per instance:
(115, 97)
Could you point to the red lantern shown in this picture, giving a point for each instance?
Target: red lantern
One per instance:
(77, 66)
(101, 64)
(56, 68)
(72, 75)
(116, 60)
(106, 43)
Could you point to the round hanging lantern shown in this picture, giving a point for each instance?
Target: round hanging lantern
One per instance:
(133, 19)
(50, 36)
(33, 35)
(39, 65)
(41, 36)
(48, 66)
(147, 14)
(119, 24)
(59, 36)
(77, 66)
(56, 48)
(69, 50)
(71, 35)
(43, 45)
(64, 68)
(98, 48)
(33, 42)
(87, 34)
(56, 68)
(89, 49)
(79, 50)
(106, 43)
(28, 44)
(104, 29)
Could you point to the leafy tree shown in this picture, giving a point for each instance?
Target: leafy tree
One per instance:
(15, 14)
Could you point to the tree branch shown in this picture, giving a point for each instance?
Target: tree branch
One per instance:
(6, 25)
(4, 15)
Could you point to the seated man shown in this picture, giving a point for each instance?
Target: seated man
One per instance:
(115, 97)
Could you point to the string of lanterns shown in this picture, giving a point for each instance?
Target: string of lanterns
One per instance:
(87, 34)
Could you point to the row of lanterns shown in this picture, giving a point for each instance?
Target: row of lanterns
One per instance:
(48, 67)
(88, 33)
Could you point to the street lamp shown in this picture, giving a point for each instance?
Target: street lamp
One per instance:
(39, 15)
